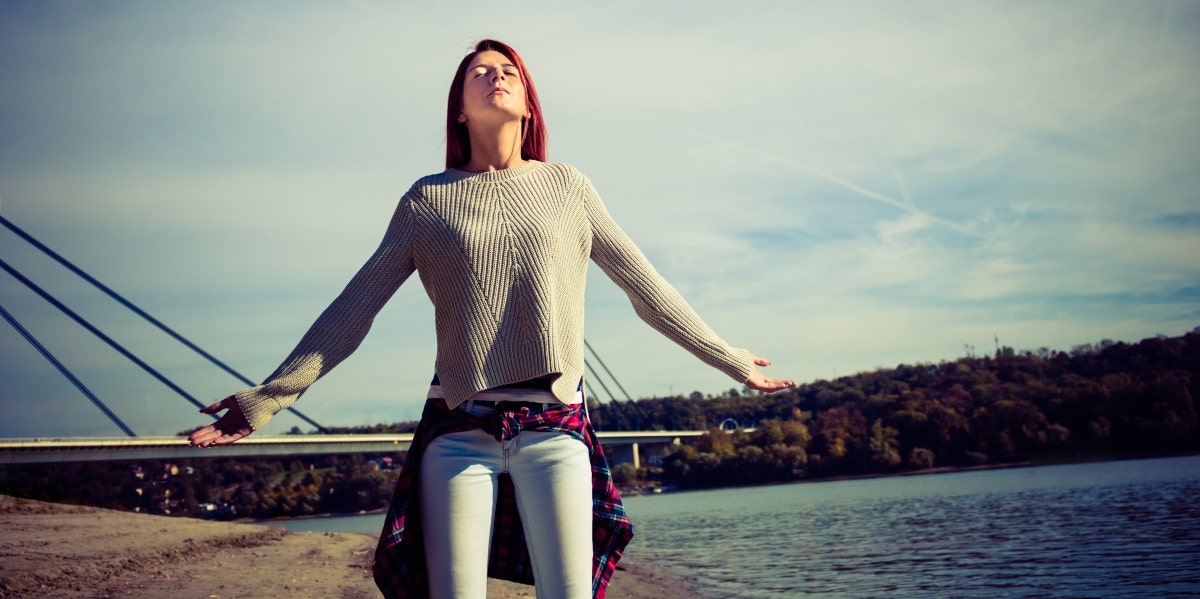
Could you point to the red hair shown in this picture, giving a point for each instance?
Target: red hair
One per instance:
(533, 131)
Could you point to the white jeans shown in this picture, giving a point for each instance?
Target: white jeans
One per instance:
(553, 479)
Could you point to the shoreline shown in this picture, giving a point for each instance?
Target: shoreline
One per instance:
(938, 470)
(641, 492)
(59, 551)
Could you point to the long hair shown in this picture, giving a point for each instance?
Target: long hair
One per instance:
(533, 130)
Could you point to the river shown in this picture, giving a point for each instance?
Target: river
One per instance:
(1107, 529)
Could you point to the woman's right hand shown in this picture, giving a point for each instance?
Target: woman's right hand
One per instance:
(229, 428)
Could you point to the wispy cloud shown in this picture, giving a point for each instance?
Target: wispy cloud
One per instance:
(920, 217)
(835, 187)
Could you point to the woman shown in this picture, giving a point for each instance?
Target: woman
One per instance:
(501, 241)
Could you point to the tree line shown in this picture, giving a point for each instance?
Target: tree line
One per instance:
(218, 488)
(1095, 401)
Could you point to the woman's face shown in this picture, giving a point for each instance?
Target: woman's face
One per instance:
(492, 90)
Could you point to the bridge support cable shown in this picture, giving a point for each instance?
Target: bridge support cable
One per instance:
(105, 338)
(65, 371)
(605, 367)
(588, 395)
(147, 317)
(614, 405)
(599, 380)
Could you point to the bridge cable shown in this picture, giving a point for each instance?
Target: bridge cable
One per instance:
(605, 367)
(596, 377)
(105, 338)
(65, 372)
(611, 405)
(587, 395)
(154, 321)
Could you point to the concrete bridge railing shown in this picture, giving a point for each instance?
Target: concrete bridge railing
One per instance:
(623, 447)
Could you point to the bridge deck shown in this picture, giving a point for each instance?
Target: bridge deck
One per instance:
(90, 449)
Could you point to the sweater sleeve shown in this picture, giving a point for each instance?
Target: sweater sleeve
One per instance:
(654, 299)
(341, 327)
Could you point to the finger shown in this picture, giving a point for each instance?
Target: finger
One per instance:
(203, 436)
(209, 433)
(217, 407)
(229, 438)
(761, 361)
(768, 385)
(216, 437)
(227, 432)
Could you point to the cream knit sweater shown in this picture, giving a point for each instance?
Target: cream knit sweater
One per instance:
(503, 256)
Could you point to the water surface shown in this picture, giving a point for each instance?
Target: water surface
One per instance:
(1114, 529)
(1111, 529)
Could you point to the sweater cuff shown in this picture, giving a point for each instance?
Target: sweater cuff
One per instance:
(258, 407)
(740, 366)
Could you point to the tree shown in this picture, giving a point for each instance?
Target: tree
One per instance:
(842, 431)
(717, 442)
(624, 475)
(920, 458)
(885, 445)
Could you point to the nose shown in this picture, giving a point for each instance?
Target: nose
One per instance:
(498, 74)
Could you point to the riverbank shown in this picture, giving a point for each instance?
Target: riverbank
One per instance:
(56, 551)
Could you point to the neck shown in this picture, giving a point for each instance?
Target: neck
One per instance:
(495, 148)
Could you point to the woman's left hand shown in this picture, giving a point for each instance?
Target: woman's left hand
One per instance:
(760, 382)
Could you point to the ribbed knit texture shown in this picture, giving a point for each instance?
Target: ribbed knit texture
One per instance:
(503, 257)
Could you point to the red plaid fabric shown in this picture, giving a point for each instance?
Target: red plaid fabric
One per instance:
(399, 565)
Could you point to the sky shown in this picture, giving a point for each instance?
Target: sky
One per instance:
(836, 187)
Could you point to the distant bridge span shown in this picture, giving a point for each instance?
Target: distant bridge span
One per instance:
(621, 446)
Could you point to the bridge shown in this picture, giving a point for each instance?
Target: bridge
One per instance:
(623, 447)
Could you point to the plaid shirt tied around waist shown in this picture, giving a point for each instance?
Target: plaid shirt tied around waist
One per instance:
(399, 565)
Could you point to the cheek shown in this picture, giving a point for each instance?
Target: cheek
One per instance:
(469, 95)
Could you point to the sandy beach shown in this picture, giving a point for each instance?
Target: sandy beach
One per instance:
(57, 551)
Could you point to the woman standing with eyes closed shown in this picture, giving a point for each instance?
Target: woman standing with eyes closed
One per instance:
(504, 477)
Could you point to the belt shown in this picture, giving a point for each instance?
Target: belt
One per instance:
(542, 383)
(518, 395)
(513, 406)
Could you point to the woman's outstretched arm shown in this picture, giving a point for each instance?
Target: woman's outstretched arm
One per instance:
(332, 338)
(659, 304)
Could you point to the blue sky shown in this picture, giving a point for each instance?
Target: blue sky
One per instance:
(835, 187)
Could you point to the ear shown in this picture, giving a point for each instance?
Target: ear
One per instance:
(462, 118)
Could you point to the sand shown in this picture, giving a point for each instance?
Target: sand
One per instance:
(58, 551)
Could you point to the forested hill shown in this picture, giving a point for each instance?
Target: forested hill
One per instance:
(1103, 400)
